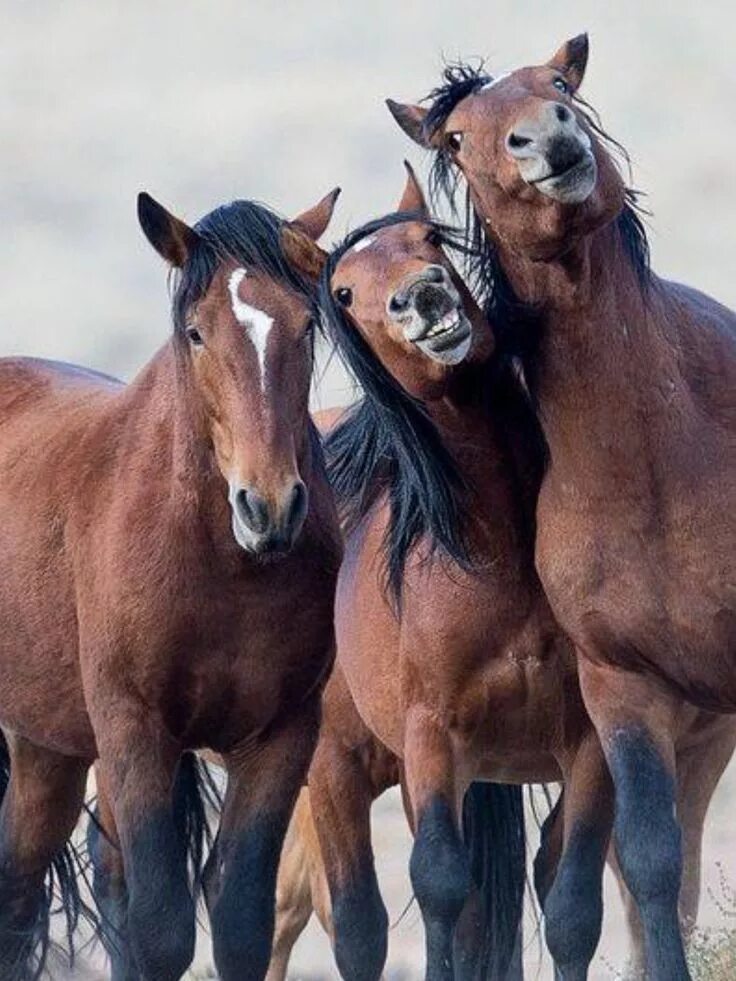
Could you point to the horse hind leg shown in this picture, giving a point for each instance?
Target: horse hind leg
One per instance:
(40, 808)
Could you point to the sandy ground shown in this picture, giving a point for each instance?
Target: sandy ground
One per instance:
(199, 103)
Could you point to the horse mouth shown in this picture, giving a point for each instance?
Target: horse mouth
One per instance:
(574, 184)
(448, 340)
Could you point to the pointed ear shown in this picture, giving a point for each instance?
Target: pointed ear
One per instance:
(411, 120)
(301, 251)
(170, 237)
(571, 60)
(314, 221)
(413, 197)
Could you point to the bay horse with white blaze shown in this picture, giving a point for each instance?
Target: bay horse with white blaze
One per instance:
(170, 551)
(635, 382)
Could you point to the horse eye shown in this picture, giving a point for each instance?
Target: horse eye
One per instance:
(561, 85)
(344, 296)
(194, 337)
(454, 141)
(434, 238)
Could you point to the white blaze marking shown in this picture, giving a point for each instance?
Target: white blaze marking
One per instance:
(495, 81)
(256, 322)
(363, 244)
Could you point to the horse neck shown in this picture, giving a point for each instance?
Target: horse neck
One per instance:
(603, 343)
(165, 439)
(493, 458)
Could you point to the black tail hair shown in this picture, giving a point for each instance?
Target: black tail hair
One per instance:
(61, 894)
(195, 797)
(494, 835)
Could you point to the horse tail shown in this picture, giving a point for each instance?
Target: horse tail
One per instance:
(60, 894)
(494, 835)
(196, 799)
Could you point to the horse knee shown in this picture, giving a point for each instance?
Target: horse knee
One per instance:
(360, 926)
(439, 866)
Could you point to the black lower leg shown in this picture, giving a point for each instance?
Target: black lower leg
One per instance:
(161, 916)
(240, 897)
(573, 906)
(111, 896)
(22, 932)
(361, 925)
(649, 851)
(440, 875)
(550, 848)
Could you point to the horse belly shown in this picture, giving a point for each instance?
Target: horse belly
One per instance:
(41, 693)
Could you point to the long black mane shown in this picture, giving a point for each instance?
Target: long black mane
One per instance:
(388, 445)
(483, 268)
(245, 231)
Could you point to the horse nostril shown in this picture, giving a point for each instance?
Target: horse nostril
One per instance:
(296, 509)
(434, 274)
(253, 510)
(562, 112)
(398, 302)
(515, 142)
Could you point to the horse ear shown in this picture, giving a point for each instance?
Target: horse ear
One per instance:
(571, 60)
(314, 221)
(413, 197)
(301, 251)
(172, 238)
(411, 120)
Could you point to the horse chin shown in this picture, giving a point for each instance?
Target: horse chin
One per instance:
(574, 186)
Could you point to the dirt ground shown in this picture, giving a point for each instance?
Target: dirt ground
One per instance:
(313, 961)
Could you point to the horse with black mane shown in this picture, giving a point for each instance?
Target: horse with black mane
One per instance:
(634, 379)
(170, 554)
(446, 646)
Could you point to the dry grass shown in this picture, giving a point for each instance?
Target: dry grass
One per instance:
(713, 951)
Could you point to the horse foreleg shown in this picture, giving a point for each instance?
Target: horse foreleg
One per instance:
(294, 903)
(439, 865)
(264, 779)
(341, 794)
(138, 764)
(573, 905)
(39, 810)
(635, 722)
(108, 885)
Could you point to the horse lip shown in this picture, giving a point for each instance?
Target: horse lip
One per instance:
(584, 162)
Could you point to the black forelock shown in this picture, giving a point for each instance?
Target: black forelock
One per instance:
(244, 231)
(387, 444)
(459, 80)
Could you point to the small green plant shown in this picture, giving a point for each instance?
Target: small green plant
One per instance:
(712, 953)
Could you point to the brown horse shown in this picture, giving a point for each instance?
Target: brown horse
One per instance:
(634, 379)
(170, 551)
(446, 644)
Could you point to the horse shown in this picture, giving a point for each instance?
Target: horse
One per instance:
(448, 657)
(171, 549)
(634, 380)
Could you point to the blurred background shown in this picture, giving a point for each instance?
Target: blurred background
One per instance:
(199, 103)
